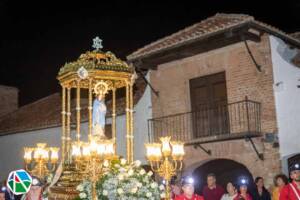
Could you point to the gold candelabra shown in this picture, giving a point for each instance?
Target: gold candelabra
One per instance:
(165, 159)
(92, 157)
(40, 161)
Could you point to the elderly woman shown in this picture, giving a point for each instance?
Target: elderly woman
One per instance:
(231, 192)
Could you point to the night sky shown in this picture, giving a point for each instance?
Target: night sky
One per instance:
(37, 38)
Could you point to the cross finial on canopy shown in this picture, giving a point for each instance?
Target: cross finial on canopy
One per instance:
(97, 43)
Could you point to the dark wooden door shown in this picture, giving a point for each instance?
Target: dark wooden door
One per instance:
(209, 105)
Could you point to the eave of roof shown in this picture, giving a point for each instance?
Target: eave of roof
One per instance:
(188, 36)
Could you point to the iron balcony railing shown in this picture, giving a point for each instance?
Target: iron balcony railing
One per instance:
(230, 120)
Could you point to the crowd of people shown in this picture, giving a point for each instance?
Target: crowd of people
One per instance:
(283, 189)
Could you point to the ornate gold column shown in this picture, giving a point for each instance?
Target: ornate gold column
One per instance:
(127, 124)
(68, 134)
(78, 111)
(90, 107)
(131, 121)
(63, 122)
(114, 127)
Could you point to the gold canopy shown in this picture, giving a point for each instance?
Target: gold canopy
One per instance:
(98, 72)
(99, 66)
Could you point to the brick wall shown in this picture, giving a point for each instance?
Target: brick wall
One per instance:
(242, 79)
(8, 99)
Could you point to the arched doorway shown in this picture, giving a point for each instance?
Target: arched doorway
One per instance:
(225, 171)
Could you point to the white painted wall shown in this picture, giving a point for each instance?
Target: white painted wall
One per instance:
(287, 98)
(143, 112)
(11, 146)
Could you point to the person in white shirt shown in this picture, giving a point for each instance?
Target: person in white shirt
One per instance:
(231, 192)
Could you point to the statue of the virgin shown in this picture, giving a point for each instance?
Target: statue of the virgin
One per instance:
(99, 110)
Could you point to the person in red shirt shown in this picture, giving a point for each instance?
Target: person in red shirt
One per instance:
(291, 191)
(212, 191)
(243, 191)
(188, 190)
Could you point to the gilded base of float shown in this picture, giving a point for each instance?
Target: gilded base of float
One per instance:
(65, 188)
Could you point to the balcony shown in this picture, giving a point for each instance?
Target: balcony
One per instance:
(209, 124)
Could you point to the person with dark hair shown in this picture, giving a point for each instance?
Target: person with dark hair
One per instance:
(175, 190)
(212, 191)
(188, 190)
(260, 192)
(231, 192)
(292, 190)
(280, 181)
(243, 191)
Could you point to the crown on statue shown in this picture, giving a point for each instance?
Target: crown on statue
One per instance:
(101, 88)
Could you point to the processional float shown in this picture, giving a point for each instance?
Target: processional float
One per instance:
(96, 73)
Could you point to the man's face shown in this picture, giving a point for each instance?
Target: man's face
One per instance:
(188, 190)
(295, 175)
(2, 196)
(211, 181)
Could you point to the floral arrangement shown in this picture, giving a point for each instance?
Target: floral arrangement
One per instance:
(123, 181)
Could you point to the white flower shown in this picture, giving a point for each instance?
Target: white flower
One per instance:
(153, 185)
(117, 165)
(105, 164)
(130, 172)
(82, 195)
(79, 188)
(123, 161)
(142, 172)
(122, 169)
(134, 190)
(120, 191)
(105, 192)
(148, 194)
(150, 173)
(161, 187)
(120, 177)
(138, 163)
(163, 195)
(139, 184)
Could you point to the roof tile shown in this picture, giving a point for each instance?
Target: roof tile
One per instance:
(213, 24)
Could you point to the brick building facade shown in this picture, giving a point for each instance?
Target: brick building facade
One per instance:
(239, 47)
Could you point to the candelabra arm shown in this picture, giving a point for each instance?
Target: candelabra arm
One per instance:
(175, 165)
(181, 165)
(154, 166)
(53, 167)
(27, 168)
